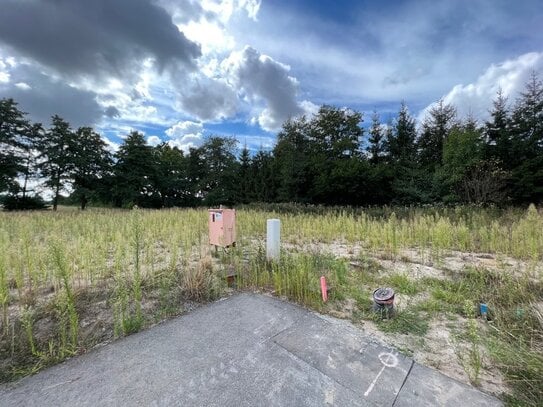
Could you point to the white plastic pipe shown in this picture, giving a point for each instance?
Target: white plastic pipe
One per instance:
(273, 239)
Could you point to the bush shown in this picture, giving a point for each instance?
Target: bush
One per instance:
(17, 203)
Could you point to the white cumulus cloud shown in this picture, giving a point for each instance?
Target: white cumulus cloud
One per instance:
(476, 98)
(153, 140)
(4, 74)
(251, 7)
(185, 134)
(23, 86)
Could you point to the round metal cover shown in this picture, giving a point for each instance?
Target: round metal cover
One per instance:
(383, 294)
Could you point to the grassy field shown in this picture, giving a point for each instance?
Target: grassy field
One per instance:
(70, 280)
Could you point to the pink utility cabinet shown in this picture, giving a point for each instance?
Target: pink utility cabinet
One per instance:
(222, 227)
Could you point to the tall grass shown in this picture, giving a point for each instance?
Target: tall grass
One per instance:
(66, 313)
(513, 232)
(49, 261)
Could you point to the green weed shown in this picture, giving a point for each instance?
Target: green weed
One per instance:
(403, 322)
(403, 284)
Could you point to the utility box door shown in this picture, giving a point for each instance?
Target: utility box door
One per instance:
(222, 227)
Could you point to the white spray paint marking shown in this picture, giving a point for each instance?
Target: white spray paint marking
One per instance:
(329, 396)
(331, 362)
(388, 360)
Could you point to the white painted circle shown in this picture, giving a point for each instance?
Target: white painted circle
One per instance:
(388, 359)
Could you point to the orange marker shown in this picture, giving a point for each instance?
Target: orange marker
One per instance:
(324, 290)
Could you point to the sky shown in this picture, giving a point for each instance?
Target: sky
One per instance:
(181, 70)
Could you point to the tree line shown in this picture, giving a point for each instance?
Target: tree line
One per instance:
(328, 158)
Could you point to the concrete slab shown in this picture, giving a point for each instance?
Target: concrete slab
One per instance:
(428, 387)
(247, 350)
(372, 371)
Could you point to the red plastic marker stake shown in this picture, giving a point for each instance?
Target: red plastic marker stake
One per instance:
(324, 290)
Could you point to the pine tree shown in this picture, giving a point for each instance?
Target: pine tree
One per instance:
(435, 129)
(134, 172)
(245, 179)
(401, 139)
(497, 132)
(264, 177)
(291, 154)
(376, 140)
(407, 184)
(527, 143)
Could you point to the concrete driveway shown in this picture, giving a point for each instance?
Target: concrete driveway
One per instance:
(247, 350)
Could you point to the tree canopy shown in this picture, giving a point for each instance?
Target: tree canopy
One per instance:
(332, 157)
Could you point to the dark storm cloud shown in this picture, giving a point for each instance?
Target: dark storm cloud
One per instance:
(42, 96)
(94, 37)
(261, 77)
(209, 100)
(112, 111)
(264, 77)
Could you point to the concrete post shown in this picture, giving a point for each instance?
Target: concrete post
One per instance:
(273, 238)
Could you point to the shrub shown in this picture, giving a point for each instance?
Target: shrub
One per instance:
(17, 203)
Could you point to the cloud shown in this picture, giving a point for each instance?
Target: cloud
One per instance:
(261, 78)
(212, 36)
(183, 11)
(223, 10)
(309, 107)
(116, 132)
(208, 99)
(185, 134)
(137, 63)
(4, 73)
(116, 54)
(252, 7)
(112, 111)
(94, 38)
(374, 52)
(111, 145)
(153, 140)
(23, 86)
(255, 143)
(476, 98)
(183, 128)
(41, 96)
(206, 22)
(146, 64)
